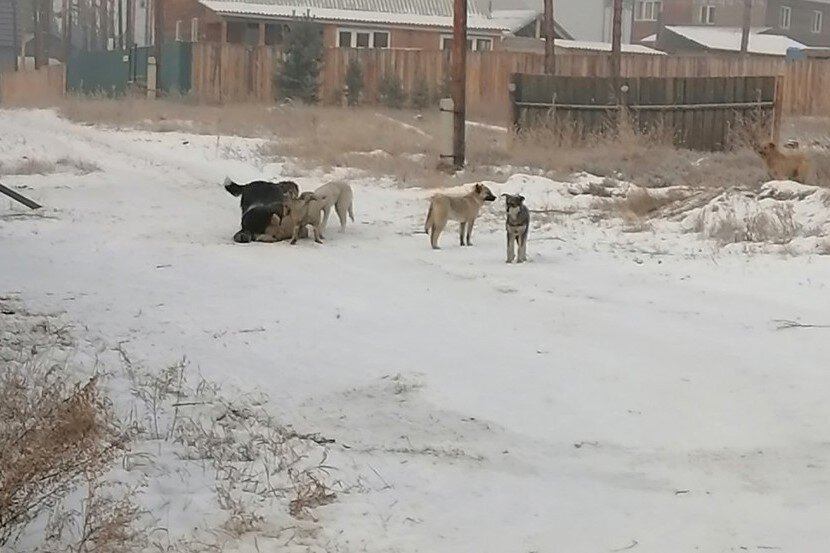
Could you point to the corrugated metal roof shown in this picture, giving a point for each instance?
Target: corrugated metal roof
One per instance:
(729, 39)
(6, 23)
(432, 13)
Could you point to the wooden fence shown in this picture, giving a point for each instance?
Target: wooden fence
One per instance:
(696, 112)
(43, 86)
(235, 73)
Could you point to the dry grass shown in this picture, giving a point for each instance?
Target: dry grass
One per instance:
(406, 145)
(37, 166)
(53, 436)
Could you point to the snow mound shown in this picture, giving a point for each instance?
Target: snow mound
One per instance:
(782, 212)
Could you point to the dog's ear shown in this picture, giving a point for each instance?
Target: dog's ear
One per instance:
(505, 195)
(521, 198)
(478, 187)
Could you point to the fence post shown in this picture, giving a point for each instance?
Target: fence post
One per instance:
(515, 91)
(447, 146)
(151, 77)
(778, 108)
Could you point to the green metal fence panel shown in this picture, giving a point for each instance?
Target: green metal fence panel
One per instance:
(176, 63)
(112, 72)
(104, 72)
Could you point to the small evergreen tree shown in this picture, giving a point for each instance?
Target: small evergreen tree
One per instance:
(354, 82)
(298, 77)
(390, 91)
(421, 96)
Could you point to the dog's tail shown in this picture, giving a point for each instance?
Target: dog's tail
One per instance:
(232, 187)
(428, 222)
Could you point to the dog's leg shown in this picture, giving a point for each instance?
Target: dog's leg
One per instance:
(470, 231)
(295, 234)
(341, 213)
(437, 229)
(461, 226)
(510, 253)
(522, 239)
(325, 217)
(318, 235)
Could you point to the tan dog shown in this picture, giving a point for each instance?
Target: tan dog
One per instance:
(339, 195)
(304, 211)
(463, 209)
(793, 164)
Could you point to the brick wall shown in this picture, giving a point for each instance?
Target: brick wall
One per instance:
(801, 21)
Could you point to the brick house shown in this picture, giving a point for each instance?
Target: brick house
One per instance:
(805, 21)
(405, 24)
(718, 13)
(802, 20)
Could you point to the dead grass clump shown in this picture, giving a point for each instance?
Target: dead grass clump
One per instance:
(83, 166)
(28, 166)
(52, 435)
(775, 226)
(36, 166)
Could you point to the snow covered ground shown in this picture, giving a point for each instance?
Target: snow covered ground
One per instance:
(621, 391)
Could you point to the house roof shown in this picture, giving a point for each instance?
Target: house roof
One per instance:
(429, 13)
(516, 20)
(728, 39)
(537, 45)
(606, 47)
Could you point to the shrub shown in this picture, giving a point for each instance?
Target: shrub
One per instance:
(391, 91)
(421, 94)
(354, 82)
(298, 76)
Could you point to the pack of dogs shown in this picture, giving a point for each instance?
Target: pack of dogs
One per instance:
(275, 211)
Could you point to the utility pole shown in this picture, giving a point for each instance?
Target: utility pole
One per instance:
(121, 24)
(15, 37)
(616, 44)
(130, 24)
(550, 52)
(745, 28)
(158, 32)
(65, 29)
(459, 81)
(38, 21)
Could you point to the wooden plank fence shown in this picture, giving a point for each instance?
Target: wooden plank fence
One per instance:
(43, 86)
(696, 112)
(233, 73)
(236, 73)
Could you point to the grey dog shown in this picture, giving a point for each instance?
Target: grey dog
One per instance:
(517, 225)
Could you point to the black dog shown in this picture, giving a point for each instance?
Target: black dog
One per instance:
(260, 201)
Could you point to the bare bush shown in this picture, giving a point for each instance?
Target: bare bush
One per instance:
(52, 435)
(37, 166)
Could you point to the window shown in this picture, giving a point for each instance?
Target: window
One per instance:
(381, 40)
(647, 10)
(817, 17)
(483, 44)
(363, 40)
(784, 16)
(179, 30)
(194, 29)
(707, 15)
(474, 44)
(350, 38)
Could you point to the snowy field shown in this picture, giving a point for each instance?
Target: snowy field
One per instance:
(622, 391)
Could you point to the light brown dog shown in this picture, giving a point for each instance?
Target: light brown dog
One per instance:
(792, 164)
(307, 210)
(463, 209)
